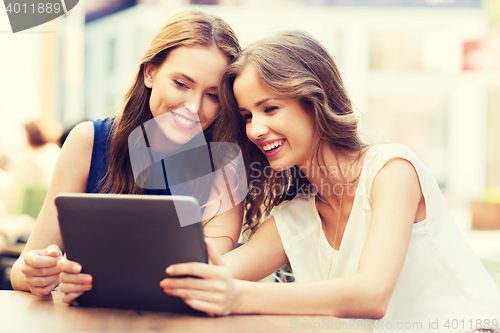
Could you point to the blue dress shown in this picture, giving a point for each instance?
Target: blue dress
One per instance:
(99, 162)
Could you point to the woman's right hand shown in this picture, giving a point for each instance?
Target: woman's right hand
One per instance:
(73, 283)
(212, 289)
(40, 270)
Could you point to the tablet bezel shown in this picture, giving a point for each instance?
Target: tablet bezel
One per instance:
(119, 238)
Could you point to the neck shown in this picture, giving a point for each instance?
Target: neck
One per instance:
(332, 173)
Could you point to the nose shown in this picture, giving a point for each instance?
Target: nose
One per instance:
(257, 128)
(194, 103)
(191, 107)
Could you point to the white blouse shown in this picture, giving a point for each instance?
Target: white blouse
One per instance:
(442, 281)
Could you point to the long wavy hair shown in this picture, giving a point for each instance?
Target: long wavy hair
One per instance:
(187, 28)
(295, 66)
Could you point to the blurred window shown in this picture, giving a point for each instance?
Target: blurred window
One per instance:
(111, 54)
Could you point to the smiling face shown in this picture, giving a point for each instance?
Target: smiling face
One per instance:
(278, 126)
(184, 98)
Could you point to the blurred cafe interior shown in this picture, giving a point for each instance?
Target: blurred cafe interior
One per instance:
(424, 73)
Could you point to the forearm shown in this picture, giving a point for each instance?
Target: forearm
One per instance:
(222, 244)
(17, 276)
(347, 297)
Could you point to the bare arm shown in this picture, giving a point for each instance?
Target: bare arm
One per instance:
(395, 197)
(222, 228)
(35, 270)
(261, 256)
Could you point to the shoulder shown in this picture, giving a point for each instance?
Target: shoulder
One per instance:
(103, 127)
(79, 144)
(82, 136)
(391, 167)
(105, 123)
(385, 151)
(72, 167)
(398, 177)
(85, 133)
(389, 159)
(397, 169)
(394, 160)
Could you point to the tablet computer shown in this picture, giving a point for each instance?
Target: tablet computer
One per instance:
(126, 242)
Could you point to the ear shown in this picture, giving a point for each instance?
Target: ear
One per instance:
(149, 71)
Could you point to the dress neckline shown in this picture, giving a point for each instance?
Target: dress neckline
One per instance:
(323, 238)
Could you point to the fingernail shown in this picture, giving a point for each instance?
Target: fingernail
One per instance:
(163, 284)
(170, 269)
(87, 279)
(77, 269)
(167, 290)
(87, 286)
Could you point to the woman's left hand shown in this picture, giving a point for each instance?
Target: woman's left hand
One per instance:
(212, 288)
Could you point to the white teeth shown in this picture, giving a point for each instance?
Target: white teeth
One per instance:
(273, 145)
(183, 120)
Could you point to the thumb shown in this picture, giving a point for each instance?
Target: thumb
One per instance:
(53, 251)
(214, 256)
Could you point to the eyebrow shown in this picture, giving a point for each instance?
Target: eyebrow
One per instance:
(187, 77)
(262, 101)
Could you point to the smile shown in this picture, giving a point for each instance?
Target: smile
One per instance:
(183, 120)
(272, 146)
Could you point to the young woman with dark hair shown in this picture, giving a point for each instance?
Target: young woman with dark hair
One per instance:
(176, 87)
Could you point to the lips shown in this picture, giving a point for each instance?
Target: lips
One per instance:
(183, 122)
(273, 145)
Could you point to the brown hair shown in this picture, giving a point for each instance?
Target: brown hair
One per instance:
(294, 66)
(183, 29)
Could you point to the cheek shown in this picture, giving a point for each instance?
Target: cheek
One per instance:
(211, 111)
(247, 130)
(156, 97)
(169, 95)
(307, 126)
(153, 103)
(310, 136)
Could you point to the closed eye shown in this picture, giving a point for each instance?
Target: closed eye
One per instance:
(270, 108)
(180, 85)
(213, 96)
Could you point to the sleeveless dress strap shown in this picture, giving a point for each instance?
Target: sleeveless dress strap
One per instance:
(99, 162)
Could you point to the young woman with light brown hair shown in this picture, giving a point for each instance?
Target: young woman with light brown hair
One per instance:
(368, 235)
(177, 82)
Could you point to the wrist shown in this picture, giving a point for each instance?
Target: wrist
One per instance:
(17, 277)
(242, 303)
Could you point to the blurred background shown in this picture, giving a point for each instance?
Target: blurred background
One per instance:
(425, 73)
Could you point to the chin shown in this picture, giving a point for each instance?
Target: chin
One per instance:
(179, 136)
(181, 140)
(279, 166)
